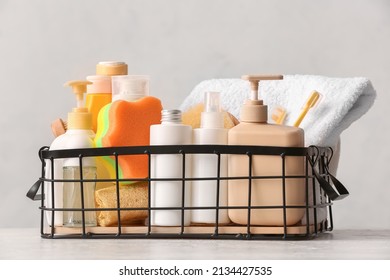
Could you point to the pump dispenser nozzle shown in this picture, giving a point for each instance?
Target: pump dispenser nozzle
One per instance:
(253, 109)
(254, 81)
(79, 88)
(212, 102)
(212, 117)
(79, 118)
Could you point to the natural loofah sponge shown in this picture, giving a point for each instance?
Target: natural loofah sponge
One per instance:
(131, 196)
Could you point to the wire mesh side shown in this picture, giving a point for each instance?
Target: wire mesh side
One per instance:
(215, 231)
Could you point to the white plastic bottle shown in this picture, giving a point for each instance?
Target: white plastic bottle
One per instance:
(171, 131)
(54, 190)
(73, 138)
(68, 194)
(204, 192)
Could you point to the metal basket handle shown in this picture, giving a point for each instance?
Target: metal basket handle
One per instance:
(32, 192)
(336, 190)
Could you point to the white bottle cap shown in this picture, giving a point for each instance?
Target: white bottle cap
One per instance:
(130, 87)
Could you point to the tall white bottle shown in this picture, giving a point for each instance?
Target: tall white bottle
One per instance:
(171, 131)
(204, 192)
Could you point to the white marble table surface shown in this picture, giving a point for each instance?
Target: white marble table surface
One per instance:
(27, 244)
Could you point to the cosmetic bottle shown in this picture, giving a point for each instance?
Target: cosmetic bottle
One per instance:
(169, 193)
(99, 95)
(78, 135)
(254, 130)
(99, 92)
(77, 193)
(205, 192)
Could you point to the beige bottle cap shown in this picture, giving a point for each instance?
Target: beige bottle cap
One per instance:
(111, 68)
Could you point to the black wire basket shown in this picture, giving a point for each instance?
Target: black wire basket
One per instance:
(321, 188)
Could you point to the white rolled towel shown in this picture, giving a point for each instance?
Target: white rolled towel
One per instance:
(343, 101)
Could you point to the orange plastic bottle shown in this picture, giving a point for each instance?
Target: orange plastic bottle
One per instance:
(99, 93)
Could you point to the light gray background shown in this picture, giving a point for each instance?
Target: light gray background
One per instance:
(44, 43)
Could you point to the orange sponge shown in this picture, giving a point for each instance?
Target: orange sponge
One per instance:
(127, 123)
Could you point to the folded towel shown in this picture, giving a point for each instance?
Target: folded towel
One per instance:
(343, 101)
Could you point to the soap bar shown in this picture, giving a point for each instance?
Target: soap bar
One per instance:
(131, 196)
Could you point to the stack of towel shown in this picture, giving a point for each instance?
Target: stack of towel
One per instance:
(343, 101)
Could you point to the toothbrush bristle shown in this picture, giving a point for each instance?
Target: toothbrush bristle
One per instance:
(278, 115)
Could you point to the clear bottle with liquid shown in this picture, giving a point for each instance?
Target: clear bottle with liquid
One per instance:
(79, 195)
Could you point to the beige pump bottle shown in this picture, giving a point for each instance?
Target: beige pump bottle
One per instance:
(254, 130)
